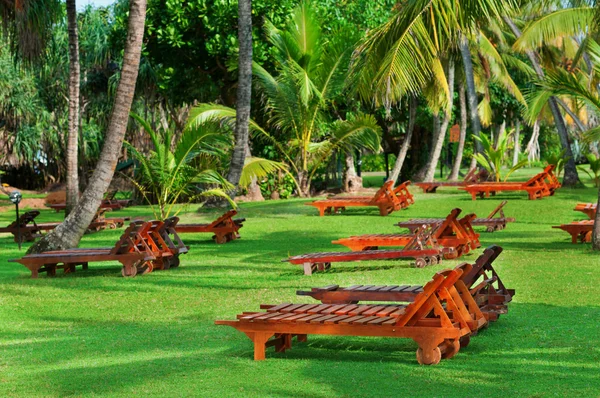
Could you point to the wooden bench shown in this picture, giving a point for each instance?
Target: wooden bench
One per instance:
(472, 177)
(452, 233)
(580, 231)
(224, 228)
(480, 280)
(495, 221)
(589, 209)
(422, 248)
(387, 199)
(131, 250)
(436, 320)
(539, 186)
(27, 227)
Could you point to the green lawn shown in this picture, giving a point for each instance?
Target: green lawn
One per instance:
(95, 333)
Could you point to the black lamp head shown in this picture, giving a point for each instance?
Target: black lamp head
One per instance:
(15, 197)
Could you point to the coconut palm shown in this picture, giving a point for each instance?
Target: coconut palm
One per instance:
(312, 73)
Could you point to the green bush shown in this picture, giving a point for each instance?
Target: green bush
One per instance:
(376, 162)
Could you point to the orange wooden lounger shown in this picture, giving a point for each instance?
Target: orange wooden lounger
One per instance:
(224, 228)
(452, 233)
(589, 209)
(580, 231)
(387, 199)
(491, 222)
(480, 280)
(421, 247)
(539, 186)
(436, 320)
(27, 227)
(472, 177)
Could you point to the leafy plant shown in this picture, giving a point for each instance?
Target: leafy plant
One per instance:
(179, 173)
(492, 159)
(594, 171)
(558, 160)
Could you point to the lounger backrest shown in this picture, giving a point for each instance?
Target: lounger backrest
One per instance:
(470, 177)
(110, 195)
(465, 228)
(498, 209)
(223, 218)
(483, 261)
(171, 237)
(385, 190)
(449, 223)
(422, 237)
(127, 241)
(25, 219)
(421, 306)
(539, 178)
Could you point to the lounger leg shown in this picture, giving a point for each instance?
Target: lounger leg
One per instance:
(321, 211)
(34, 273)
(308, 268)
(259, 339)
(574, 238)
(302, 338)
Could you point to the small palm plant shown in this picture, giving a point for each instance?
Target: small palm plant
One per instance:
(558, 160)
(594, 171)
(492, 159)
(179, 173)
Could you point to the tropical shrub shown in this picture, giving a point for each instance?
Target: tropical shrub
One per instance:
(594, 171)
(494, 158)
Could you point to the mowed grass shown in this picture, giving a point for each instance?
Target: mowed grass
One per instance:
(94, 333)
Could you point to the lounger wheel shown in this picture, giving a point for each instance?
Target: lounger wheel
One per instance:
(464, 341)
(420, 262)
(174, 262)
(112, 226)
(433, 260)
(132, 272)
(449, 348)
(220, 239)
(490, 229)
(429, 357)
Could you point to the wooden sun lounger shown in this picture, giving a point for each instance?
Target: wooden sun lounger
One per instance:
(167, 239)
(109, 197)
(472, 177)
(539, 186)
(491, 222)
(387, 199)
(436, 320)
(100, 222)
(422, 248)
(58, 207)
(589, 209)
(480, 280)
(452, 233)
(131, 250)
(580, 231)
(224, 228)
(29, 229)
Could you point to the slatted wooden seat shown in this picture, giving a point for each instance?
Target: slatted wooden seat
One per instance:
(539, 186)
(422, 247)
(452, 233)
(224, 228)
(472, 177)
(589, 209)
(480, 280)
(436, 320)
(495, 221)
(580, 231)
(131, 250)
(387, 199)
(167, 240)
(26, 226)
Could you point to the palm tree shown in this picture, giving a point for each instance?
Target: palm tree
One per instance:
(244, 91)
(69, 233)
(73, 139)
(312, 73)
(462, 99)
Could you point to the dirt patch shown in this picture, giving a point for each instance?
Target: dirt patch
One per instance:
(29, 204)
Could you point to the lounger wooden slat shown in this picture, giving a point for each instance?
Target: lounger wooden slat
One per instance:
(421, 248)
(451, 233)
(387, 199)
(480, 281)
(541, 185)
(434, 320)
(472, 177)
(225, 228)
(580, 231)
(589, 209)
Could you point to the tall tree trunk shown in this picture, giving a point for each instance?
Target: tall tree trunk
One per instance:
(419, 175)
(352, 182)
(413, 103)
(244, 91)
(73, 139)
(463, 133)
(571, 178)
(465, 53)
(533, 147)
(69, 233)
(516, 138)
(438, 139)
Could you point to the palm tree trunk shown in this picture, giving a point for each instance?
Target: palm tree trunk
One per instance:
(571, 178)
(413, 103)
(465, 53)
(533, 147)
(69, 233)
(352, 182)
(596, 233)
(73, 139)
(244, 91)
(463, 133)
(438, 140)
(517, 148)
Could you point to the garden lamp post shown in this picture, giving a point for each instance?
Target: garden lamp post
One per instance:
(15, 197)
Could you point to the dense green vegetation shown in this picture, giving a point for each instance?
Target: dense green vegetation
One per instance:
(96, 333)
